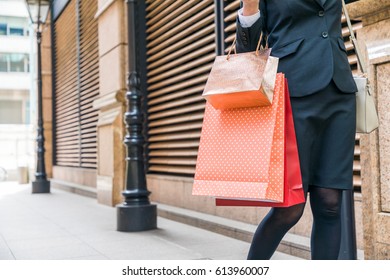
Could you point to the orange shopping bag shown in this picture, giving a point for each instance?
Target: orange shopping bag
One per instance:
(241, 151)
(293, 189)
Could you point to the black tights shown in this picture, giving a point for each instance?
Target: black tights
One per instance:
(326, 231)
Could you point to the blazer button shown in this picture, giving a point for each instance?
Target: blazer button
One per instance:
(321, 13)
(324, 34)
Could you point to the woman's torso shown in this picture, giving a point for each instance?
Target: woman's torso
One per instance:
(306, 36)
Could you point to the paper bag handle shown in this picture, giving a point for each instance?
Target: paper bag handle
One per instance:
(257, 48)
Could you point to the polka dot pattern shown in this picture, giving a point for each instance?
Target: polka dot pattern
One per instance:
(241, 151)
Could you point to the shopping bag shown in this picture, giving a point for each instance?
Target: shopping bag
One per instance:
(241, 151)
(242, 80)
(293, 188)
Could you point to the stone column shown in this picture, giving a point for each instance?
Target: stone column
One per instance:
(374, 41)
(111, 101)
(47, 99)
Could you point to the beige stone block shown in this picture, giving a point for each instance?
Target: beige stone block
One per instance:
(171, 193)
(382, 228)
(177, 191)
(373, 38)
(156, 188)
(80, 176)
(47, 86)
(382, 252)
(242, 214)
(112, 25)
(370, 190)
(108, 102)
(283, 248)
(369, 11)
(119, 157)
(47, 110)
(111, 155)
(112, 74)
(383, 88)
(359, 224)
(48, 148)
(300, 253)
(261, 213)
(104, 186)
(152, 187)
(105, 151)
(198, 203)
(46, 34)
(304, 225)
(46, 59)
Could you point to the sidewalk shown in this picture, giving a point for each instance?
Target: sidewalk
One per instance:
(62, 225)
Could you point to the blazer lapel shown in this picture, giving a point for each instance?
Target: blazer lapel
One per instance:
(320, 2)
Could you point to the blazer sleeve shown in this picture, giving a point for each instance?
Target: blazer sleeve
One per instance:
(248, 37)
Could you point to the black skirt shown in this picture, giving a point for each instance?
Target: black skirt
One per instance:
(325, 125)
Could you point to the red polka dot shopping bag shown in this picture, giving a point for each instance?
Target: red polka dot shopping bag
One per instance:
(249, 156)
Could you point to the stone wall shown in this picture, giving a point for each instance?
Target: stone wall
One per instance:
(374, 40)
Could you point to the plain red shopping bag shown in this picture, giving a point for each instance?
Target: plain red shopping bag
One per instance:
(293, 189)
(241, 151)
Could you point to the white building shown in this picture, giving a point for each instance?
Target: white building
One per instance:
(16, 84)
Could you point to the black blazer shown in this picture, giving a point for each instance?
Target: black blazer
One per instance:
(306, 36)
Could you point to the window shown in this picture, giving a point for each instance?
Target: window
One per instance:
(16, 31)
(11, 112)
(3, 29)
(3, 63)
(13, 26)
(15, 62)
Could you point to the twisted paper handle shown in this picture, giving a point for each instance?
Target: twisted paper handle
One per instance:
(257, 48)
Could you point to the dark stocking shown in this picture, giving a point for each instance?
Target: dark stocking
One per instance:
(326, 232)
(272, 229)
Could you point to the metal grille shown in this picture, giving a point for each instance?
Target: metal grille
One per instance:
(180, 53)
(77, 84)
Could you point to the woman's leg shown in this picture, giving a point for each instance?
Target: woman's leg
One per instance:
(326, 232)
(272, 229)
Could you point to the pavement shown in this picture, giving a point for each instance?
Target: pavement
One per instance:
(63, 225)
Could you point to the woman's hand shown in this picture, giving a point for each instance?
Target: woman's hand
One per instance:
(250, 7)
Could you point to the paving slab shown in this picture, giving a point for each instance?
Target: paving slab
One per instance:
(63, 225)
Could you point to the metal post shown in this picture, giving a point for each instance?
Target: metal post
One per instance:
(135, 213)
(219, 27)
(41, 184)
(348, 250)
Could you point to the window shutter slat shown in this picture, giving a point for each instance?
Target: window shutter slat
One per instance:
(77, 85)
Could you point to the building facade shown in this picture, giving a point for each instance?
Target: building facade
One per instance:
(16, 90)
(86, 62)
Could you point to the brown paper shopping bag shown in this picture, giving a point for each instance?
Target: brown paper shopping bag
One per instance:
(242, 80)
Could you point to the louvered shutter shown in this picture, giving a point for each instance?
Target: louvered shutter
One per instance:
(67, 133)
(180, 53)
(230, 9)
(77, 84)
(89, 82)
